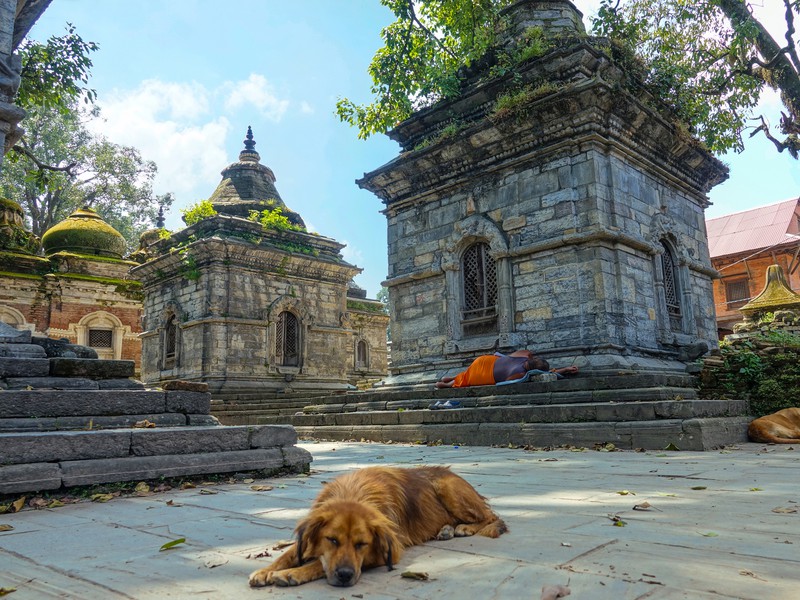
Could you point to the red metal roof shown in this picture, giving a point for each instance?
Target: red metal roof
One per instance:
(752, 230)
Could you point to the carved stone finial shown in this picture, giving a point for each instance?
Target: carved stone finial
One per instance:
(160, 220)
(249, 153)
(777, 294)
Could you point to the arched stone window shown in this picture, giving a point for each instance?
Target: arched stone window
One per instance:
(11, 316)
(287, 339)
(479, 289)
(102, 331)
(672, 290)
(171, 341)
(362, 355)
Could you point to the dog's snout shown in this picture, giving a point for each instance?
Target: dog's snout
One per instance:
(345, 575)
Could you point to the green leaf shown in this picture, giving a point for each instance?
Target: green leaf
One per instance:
(172, 544)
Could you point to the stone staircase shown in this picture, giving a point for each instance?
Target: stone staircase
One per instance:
(68, 421)
(630, 410)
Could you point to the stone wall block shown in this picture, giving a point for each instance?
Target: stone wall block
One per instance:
(86, 367)
(24, 367)
(27, 477)
(53, 403)
(16, 448)
(188, 402)
(269, 436)
(136, 468)
(189, 440)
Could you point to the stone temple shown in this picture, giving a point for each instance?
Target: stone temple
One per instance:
(553, 207)
(256, 308)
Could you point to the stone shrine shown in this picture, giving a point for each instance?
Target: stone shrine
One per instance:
(250, 303)
(555, 207)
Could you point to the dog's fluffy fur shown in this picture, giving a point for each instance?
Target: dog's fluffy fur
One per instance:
(782, 427)
(367, 518)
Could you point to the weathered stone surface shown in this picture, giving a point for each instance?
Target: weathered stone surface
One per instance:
(29, 477)
(88, 423)
(51, 383)
(188, 402)
(63, 348)
(268, 436)
(16, 448)
(22, 351)
(202, 420)
(120, 384)
(12, 335)
(134, 468)
(52, 403)
(189, 440)
(24, 367)
(186, 386)
(97, 369)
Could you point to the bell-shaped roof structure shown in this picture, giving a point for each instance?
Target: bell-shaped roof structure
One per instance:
(247, 186)
(84, 232)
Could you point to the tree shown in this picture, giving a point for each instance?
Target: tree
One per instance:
(80, 169)
(712, 60)
(708, 60)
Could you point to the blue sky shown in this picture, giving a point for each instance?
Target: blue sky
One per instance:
(181, 80)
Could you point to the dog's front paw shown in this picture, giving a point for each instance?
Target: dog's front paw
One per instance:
(261, 578)
(284, 578)
(446, 533)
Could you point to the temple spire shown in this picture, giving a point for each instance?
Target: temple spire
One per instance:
(249, 153)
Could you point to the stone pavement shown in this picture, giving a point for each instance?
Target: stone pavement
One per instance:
(720, 525)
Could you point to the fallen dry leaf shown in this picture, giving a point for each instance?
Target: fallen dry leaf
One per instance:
(282, 544)
(747, 573)
(644, 506)
(37, 502)
(18, 504)
(5, 527)
(187, 485)
(144, 424)
(142, 489)
(5, 591)
(100, 497)
(263, 554)
(784, 510)
(55, 503)
(626, 493)
(172, 503)
(172, 544)
(551, 592)
(419, 576)
(248, 480)
(208, 492)
(216, 561)
(261, 488)
(699, 487)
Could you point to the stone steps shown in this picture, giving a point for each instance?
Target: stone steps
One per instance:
(630, 411)
(51, 460)
(67, 421)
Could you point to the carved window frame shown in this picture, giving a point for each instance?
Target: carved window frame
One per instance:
(361, 355)
(288, 342)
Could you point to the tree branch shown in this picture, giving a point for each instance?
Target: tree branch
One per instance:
(22, 148)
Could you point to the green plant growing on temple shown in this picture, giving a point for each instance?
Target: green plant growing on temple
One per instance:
(197, 212)
(274, 219)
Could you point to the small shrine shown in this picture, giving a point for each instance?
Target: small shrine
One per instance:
(777, 307)
(72, 285)
(249, 302)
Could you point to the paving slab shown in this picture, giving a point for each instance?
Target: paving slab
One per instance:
(711, 532)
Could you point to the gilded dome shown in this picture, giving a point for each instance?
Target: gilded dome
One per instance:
(84, 232)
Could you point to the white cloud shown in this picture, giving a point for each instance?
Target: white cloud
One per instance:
(352, 254)
(306, 108)
(165, 121)
(258, 92)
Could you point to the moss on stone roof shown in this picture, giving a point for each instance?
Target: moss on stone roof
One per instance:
(84, 232)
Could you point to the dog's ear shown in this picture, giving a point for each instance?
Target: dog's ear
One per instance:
(386, 546)
(307, 534)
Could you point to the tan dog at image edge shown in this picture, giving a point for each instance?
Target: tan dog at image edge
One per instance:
(367, 518)
(782, 427)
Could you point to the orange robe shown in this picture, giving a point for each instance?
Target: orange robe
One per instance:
(480, 372)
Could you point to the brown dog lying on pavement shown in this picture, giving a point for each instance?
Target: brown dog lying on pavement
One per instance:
(369, 517)
(782, 427)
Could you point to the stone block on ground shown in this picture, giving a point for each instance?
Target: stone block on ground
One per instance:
(136, 468)
(120, 384)
(29, 477)
(56, 403)
(22, 351)
(51, 383)
(12, 335)
(24, 367)
(189, 440)
(184, 386)
(188, 402)
(269, 436)
(202, 420)
(17, 448)
(87, 367)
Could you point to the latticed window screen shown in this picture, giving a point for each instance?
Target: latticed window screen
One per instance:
(171, 338)
(287, 339)
(101, 338)
(671, 291)
(480, 284)
(737, 293)
(361, 354)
